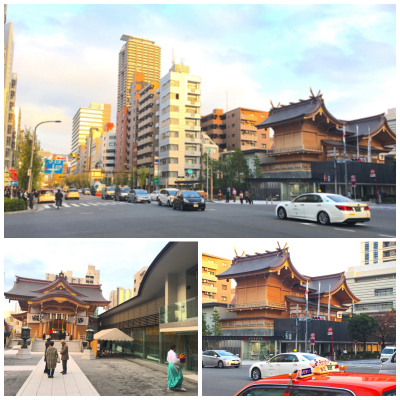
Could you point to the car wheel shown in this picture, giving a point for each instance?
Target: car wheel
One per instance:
(237, 366)
(351, 223)
(256, 374)
(323, 218)
(159, 203)
(203, 209)
(149, 201)
(182, 209)
(282, 213)
(220, 364)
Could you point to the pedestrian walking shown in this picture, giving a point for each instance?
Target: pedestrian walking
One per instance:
(241, 197)
(64, 356)
(26, 198)
(44, 336)
(219, 195)
(45, 360)
(52, 359)
(246, 196)
(174, 376)
(234, 195)
(250, 198)
(227, 196)
(30, 197)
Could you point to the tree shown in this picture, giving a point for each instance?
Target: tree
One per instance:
(360, 327)
(257, 171)
(23, 159)
(206, 331)
(238, 167)
(216, 323)
(142, 174)
(386, 328)
(69, 180)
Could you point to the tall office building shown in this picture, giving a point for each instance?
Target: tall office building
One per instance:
(236, 129)
(137, 280)
(214, 290)
(377, 252)
(8, 93)
(391, 119)
(92, 277)
(136, 55)
(179, 126)
(119, 296)
(94, 116)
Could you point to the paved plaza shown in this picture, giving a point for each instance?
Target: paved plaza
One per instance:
(101, 377)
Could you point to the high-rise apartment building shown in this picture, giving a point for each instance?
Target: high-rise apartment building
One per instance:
(119, 296)
(92, 277)
(236, 129)
(377, 252)
(391, 119)
(214, 290)
(8, 94)
(16, 128)
(179, 140)
(136, 55)
(137, 280)
(94, 116)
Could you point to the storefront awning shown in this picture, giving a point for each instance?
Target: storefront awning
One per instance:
(113, 334)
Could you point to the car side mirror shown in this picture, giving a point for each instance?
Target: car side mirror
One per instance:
(215, 355)
(237, 355)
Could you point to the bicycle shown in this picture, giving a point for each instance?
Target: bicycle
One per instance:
(58, 204)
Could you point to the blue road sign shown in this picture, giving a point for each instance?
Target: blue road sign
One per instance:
(190, 172)
(53, 166)
(14, 183)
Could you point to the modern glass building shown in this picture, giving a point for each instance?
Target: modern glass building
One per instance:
(164, 312)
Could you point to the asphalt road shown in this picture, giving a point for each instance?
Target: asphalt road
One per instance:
(92, 217)
(228, 381)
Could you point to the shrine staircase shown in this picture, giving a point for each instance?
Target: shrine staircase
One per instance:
(73, 346)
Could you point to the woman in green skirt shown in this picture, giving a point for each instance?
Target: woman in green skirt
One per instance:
(174, 377)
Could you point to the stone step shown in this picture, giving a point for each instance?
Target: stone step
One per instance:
(73, 346)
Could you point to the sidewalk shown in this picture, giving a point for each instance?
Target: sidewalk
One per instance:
(74, 383)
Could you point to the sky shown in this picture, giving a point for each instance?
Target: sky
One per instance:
(311, 257)
(66, 56)
(117, 260)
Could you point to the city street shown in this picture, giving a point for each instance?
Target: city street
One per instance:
(228, 381)
(93, 217)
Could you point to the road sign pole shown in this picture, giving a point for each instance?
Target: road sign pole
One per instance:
(297, 322)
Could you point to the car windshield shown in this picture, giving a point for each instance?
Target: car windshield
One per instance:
(72, 190)
(310, 356)
(172, 192)
(190, 194)
(388, 351)
(141, 192)
(338, 199)
(125, 190)
(111, 189)
(46, 192)
(225, 353)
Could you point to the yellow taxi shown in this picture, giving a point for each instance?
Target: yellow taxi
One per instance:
(46, 195)
(72, 194)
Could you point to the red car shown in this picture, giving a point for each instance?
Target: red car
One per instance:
(329, 384)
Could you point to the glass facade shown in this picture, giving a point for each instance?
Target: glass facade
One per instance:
(152, 345)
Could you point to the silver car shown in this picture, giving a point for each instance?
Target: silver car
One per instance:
(138, 196)
(220, 359)
(389, 367)
(154, 195)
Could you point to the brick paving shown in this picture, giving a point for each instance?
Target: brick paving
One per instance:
(122, 377)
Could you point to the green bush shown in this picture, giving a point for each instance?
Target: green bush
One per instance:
(13, 204)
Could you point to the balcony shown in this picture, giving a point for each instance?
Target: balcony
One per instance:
(196, 128)
(193, 103)
(209, 277)
(193, 153)
(247, 117)
(209, 289)
(192, 166)
(192, 115)
(144, 140)
(248, 127)
(209, 265)
(146, 150)
(192, 140)
(145, 160)
(178, 312)
(256, 305)
(193, 90)
(145, 131)
(207, 300)
(297, 149)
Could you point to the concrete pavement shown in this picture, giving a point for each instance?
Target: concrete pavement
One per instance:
(93, 217)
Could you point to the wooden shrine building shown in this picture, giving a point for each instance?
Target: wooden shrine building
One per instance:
(58, 305)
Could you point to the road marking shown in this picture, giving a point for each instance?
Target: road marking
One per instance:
(75, 205)
(346, 230)
(387, 235)
(306, 223)
(46, 206)
(93, 204)
(85, 205)
(64, 205)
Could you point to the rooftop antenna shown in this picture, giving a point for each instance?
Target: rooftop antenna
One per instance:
(182, 61)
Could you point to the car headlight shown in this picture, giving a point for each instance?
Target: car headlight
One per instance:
(202, 200)
(172, 197)
(186, 201)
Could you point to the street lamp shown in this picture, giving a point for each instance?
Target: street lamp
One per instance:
(89, 336)
(30, 174)
(25, 335)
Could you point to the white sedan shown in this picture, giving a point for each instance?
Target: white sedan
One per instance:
(325, 208)
(286, 363)
(154, 195)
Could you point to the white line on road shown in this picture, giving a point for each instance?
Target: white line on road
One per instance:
(346, 230)
(65, 205)
(75, 205)
(46, 206)
(305, 223)
(93, 204)
(386, 235)
(85, 205)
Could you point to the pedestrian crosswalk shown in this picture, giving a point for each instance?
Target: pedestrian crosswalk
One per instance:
(72, 205)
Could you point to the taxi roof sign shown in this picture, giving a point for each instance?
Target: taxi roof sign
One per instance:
(304, 373)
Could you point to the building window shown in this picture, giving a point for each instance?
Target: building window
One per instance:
(366, 246)
(212, 273)
(264, 146)
(223, 298)
(211, 284)
(233, 145)
(375, 254)
(264, 136)
(233, 125)
(233, 135)
(384, 292)
(375, 245)
(224, 287)
(224, 264)
(233, 115)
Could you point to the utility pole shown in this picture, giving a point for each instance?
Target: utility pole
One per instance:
(305, 341)
(335, 168)
(319, 290)
(211, 189)
(297, 322)
(358, 154)
(369, 145)
(345, 161)
(329, 304)
(207, 172)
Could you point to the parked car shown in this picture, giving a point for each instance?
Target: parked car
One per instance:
(389, 366)
(188, 200)
(138, 196)
(325, 208)
(154, 195)
(80, 190)
(387, 353)
(121, 193)
(86, 191)
(107, 192)
(286, 363)
(72, 194)
(307, 383)
(166, 197)
(46, 195)
(220, 359)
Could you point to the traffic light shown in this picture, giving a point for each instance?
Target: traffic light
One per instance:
(319, 317)
(359, 159)
(221, 175)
